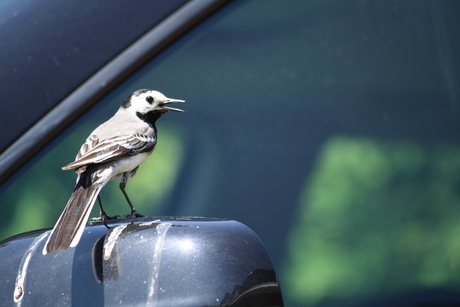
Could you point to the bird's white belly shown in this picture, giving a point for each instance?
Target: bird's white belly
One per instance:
(128, 164)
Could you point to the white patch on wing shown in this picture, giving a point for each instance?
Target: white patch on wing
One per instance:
(147, 139)
(138, 141)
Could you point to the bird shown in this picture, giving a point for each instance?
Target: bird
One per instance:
(113, 151)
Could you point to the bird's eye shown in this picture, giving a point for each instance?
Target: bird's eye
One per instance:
(149, 99)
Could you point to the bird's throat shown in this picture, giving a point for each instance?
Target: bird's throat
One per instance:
(150, 117)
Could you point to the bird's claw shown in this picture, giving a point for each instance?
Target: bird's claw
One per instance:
(133, 215)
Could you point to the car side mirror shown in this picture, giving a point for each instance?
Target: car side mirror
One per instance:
(170, 261)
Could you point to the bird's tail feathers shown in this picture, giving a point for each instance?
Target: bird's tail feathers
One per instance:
(70, 225)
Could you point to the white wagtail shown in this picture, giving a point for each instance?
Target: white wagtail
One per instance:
(113, 151)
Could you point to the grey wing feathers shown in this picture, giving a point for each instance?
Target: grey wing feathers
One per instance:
(96, 152)
(90, 143)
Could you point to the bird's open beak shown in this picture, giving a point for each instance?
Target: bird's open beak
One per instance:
(169, 101)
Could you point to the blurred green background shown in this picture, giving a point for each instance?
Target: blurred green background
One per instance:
(379, 216)
(331, 128)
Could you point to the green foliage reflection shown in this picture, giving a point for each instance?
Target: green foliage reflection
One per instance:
(375, 218)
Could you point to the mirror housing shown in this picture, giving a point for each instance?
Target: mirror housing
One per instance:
(166, 261)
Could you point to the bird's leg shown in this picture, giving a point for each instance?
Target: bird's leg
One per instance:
(103, 216)
(124, 180)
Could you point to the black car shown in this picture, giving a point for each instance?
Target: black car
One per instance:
(329, 128)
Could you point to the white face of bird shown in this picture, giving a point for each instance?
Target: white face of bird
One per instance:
(145, 101)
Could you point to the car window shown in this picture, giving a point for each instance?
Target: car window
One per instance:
(328, 127)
